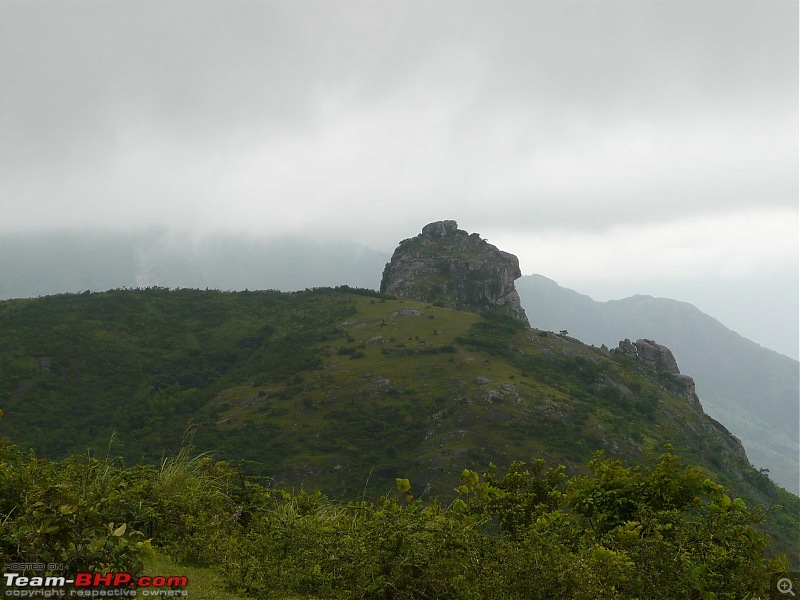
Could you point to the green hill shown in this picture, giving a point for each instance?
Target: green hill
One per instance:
(340, 390)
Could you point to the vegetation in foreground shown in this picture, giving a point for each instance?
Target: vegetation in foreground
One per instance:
(663, 530)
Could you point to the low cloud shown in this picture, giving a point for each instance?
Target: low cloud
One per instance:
(707, 247)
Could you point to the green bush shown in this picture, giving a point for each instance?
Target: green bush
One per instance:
(68, 512)
(661, 531)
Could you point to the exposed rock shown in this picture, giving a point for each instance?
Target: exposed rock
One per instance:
(408, 312)
(657, 356)
(346, 324)
(382, 383)
(506, 394)
(377, 386)
(554, 410)
(447, 265)
(654, 355)
(686, 389)
(660, 358)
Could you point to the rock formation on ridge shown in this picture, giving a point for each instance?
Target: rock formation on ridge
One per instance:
(660, 358)
(448, 265)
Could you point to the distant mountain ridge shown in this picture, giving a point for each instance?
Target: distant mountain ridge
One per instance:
(752, 390)
(54, 263)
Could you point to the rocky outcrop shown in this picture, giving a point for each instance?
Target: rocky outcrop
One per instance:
(660, 358)
(447, 265)
(654, 355)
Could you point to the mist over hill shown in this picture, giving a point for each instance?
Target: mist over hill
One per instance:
(752, 390)
(54, 263)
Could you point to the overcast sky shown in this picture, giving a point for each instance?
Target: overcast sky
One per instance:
(616, 147)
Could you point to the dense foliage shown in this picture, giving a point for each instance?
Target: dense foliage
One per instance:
(145, 362)
(661, 531)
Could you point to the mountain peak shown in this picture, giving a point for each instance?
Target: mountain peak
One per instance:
(448, 265)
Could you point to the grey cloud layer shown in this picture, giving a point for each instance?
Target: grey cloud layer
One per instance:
(562, 113)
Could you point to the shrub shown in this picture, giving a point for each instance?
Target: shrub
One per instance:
(660, 531)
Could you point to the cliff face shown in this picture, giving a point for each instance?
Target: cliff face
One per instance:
(448, 265)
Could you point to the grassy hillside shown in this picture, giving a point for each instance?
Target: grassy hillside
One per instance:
(338, 391)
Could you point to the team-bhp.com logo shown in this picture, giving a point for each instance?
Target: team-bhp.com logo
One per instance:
(94, 585)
